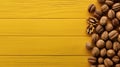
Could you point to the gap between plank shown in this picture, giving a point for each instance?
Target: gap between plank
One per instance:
(42, 18)
(44, 55)
(44, 35)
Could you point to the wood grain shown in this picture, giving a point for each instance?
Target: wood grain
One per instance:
(44, 8)
(43, 27)
(43, 61)
(44, 33)
(22, 45)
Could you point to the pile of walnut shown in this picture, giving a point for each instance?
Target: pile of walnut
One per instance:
(104, 28)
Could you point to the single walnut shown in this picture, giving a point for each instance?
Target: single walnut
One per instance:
(100, 43)
(104, 35)
(115, 22)
(95, 38)
(92, 60)
(113, 34)
(104, 8)
(116, 7)
(103, 20)
(115, 59)
(91, 8)
(89, 46)
(99, 29)
(110, 53)
(116, 46)
(108, 62)
(103, 52)
(92, 21)
(109, 44)
(90, 29)
(111, 14)
(109, 27)
(95, 51)
(100, 60)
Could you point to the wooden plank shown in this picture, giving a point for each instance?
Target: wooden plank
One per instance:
(23, 45)
(44, 27)
(44, 8)
(44, 61)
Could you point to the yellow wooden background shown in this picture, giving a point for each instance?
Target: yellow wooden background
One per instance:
(44, 33)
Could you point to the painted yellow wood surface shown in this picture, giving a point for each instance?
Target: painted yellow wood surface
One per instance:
(35, 45)
(44, 8)
(46, 27)
(44, 33)
(43, 61)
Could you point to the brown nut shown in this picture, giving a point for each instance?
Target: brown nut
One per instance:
(108, 62)
(109, 44)
(109, 2)
(115, 22)
(103, 20)
(115, 59)
(110, 53)
(92, 21)
(117, 65)
(97, 14)
(99, 29)
(100, 43)
(92, 60)
(116, 46)
(113, 34)
(101, 1)
(111, 14)
(104, 8)
(89, 46)
(95, 51)
(118, 38)
(109, 27)
(95, 38)
(103, 52)
(91, 8)
(104, 35)
(100, 60)
(118, 53)
(90, 29)
(116, 7)
(118, 15)
(101, 65)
